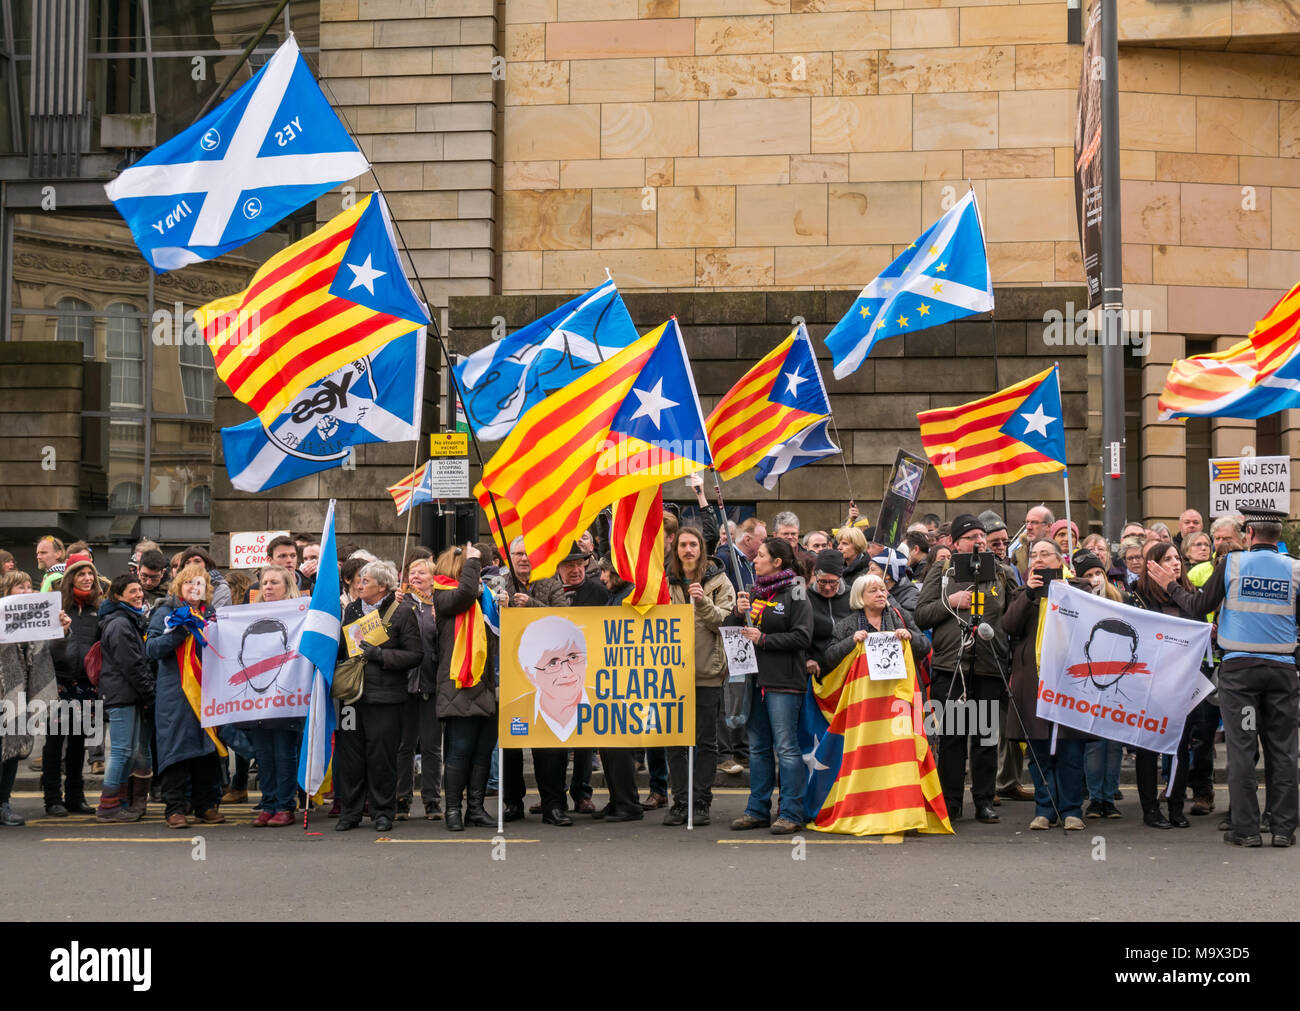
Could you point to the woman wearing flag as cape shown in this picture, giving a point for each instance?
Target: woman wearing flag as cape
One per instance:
(467, 684)
(188, 764)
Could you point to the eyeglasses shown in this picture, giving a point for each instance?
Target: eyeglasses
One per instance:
(553, 665)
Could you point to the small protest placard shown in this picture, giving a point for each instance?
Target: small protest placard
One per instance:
(885, 656)
(740, 653)
(368, 628)
(28, 617)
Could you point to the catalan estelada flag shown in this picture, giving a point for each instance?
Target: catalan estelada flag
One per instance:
(1228, 470)
(781, 395)
(414, 489)
(870, 771)
(1276, 338)
(637, 542)
(190, 662)
(469, 650)
(1228, 384)
(328, 299)
(632, 422)
(1012, 434)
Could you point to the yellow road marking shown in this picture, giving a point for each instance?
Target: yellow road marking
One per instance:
(885, 840)
(120, 838)
(431, 842)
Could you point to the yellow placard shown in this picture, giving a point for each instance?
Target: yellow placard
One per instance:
(597, 677)
(449, 444)
(368, 628)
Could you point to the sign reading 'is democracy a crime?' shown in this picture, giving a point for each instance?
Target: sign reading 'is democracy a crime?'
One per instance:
(1250, 482)
(597, 677)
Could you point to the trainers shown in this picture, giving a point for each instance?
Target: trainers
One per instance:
(701, 815)
(748, 821)
(8, 818)
(403, 810)
(1249, 841)
(731, 767)
(1109, 810)
(1073, 824)
(1094, 810)
(676, 815)
(784, 826)
(1040, 824)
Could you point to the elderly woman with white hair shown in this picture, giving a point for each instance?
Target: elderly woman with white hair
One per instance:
(873, 612)
(365, 747)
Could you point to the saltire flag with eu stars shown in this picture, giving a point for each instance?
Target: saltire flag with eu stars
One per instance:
(503, 380)
(1015, 433)
(942, 276)
(272, 147)
(327, 300)
(812, 443)
(629, 423)
(780, 396)
(373, 398)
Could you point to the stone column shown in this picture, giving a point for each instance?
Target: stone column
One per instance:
(1164, 443)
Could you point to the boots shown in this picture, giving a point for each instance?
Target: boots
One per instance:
(474, 814)
(111, 807)
(454, 788)
(138, 795)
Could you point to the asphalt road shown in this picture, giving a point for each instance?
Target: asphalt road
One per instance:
(76, 869)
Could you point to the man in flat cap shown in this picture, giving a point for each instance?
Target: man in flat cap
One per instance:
(1255, 595)
(967, 665)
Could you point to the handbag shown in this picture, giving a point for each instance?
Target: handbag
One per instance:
(350, 674)
(94, 663)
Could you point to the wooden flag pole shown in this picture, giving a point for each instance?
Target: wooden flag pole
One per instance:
(1065, 474)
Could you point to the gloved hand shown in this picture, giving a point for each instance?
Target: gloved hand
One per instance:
(371, 652)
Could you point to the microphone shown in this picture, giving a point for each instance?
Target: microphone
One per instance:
(985, 631)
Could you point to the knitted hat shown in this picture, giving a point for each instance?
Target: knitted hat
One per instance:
(1084, 560)
(75, 564)
(964, 524)
(893, 562)
(992, 521)
(830, 562)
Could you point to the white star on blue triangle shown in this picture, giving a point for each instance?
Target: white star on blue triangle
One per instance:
(1039, 420)
(376, 278)
(801, 362)
(662, 407)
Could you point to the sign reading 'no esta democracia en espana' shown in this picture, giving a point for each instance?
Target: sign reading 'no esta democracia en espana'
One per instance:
(597, 677)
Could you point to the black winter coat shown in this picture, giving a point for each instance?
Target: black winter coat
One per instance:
(69, 653)
(385, 680)
(782, 649)
(826, 612)
(453, 700)
(127, 677)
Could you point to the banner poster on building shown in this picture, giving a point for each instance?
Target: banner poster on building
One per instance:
(28, 617)
(1119, 672)
(1250, 482)
(251, 667)
(901, 493)
(597, 677)
(1087, 155)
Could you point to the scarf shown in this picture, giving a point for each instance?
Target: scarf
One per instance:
(82, 596)
(190, 663)
(469, 649)
(765, 590)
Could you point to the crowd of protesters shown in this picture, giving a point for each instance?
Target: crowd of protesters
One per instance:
(803, 598)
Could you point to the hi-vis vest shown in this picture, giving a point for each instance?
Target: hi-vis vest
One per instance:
(1258, 614)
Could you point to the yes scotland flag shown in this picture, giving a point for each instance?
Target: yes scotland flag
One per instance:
(942, 276)
(503, 380)
(273, 146)
(371, 399)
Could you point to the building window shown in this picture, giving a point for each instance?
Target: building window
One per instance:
(125, 356)
(196, 378)
(74, 323)
(125, 497)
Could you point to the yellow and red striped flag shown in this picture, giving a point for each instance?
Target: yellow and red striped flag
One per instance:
(637, 542)
(328, 299)
(414, 489)
(872, 772)
(1215, 385)
(190, 663)
(767, 406)
(1012, 434)
(469, 647)
(1276, 337)
(629, 423)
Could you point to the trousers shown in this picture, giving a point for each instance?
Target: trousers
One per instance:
(707, 702)
(420, 725)
(194, 781)
(365, 761)
(1261, 698)
(951, 762)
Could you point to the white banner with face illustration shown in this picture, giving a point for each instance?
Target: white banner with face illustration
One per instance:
(251, 667)
(1119, 672)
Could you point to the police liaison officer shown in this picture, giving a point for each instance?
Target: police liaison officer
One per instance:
(1254, 593)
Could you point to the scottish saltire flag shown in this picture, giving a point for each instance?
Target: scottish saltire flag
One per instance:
(870, 770)
(506, 378)
(942, 276)
(270, 148)
(414, 489)
(491, 613)
(320, 645)
(372, 399)
(805, 446)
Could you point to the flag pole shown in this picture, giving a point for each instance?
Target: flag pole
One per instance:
(722, 529)
(1065, 474)
(848, 484)
(243, 58)
(410, 503)
(433, 321)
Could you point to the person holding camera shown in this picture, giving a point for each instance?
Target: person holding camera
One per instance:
(971, 658)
